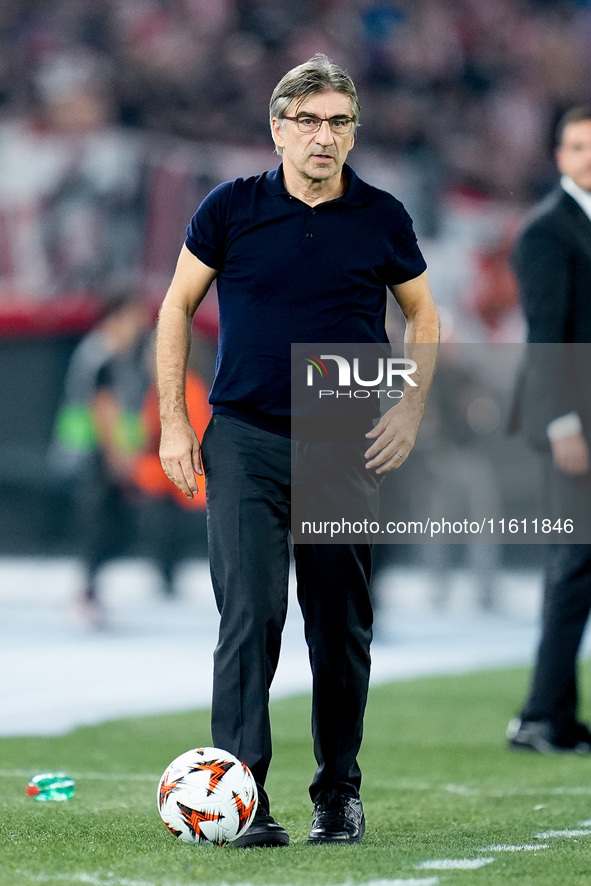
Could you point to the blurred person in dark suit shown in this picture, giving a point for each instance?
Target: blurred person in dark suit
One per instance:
(552, 262)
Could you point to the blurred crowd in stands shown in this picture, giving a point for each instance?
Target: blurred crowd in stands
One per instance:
(474, 85)
(117, 116)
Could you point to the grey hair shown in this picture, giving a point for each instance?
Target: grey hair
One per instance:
(318, 74)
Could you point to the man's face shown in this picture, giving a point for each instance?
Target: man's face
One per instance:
(574, 153)
(318, 156)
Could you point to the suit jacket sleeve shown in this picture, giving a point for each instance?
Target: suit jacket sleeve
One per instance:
(543, 262)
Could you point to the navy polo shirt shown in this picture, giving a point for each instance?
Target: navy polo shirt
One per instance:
(292, 273)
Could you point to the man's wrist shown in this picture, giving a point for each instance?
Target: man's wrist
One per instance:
(565, 426)
(176, 418)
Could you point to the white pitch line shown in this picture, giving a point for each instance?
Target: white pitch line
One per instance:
(413, 881)
(581, 790)
(91, 776)
(464, 790)
(460, 789)
(567, 832)
(508, 847)
(454, 864)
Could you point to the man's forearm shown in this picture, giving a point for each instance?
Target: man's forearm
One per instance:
(423, 328)
(173, 343)
(421, 337)
(394, 435)
(421, 344)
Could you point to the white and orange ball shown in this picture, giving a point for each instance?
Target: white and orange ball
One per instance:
(207, 796)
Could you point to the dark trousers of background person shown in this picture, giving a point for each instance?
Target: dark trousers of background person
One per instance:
(248, 482)
(553, 693)
(106, 521)
(170, 534)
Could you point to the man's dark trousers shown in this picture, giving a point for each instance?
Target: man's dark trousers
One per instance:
(248, 482)
(567, 602)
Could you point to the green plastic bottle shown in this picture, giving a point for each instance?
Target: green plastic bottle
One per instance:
(54, 786)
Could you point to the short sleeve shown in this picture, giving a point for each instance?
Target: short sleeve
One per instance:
(206, 232)
(406, 259)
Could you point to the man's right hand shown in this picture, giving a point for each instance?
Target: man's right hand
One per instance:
(571, 454)
(179, 456)
(179, 446)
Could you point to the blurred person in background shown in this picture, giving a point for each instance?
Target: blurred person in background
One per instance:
(99, 436)
(306, 252)
(453, 472)
(552, 261)
(172, 527)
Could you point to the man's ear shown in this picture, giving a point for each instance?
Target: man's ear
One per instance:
(557, 157)
(277, 132)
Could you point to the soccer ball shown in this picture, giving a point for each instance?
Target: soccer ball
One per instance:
(207, 796)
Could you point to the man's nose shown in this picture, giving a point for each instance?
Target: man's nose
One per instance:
(325, 134)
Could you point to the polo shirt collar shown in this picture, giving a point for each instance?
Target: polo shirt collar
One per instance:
(355, 195)
(274, 182)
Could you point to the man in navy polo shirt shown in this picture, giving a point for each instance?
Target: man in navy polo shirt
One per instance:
(305, 253)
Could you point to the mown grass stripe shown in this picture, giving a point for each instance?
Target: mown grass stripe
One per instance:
(91, 880)
(433, 789)
(85, 878)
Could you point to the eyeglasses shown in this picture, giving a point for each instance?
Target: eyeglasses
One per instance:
(310, 123)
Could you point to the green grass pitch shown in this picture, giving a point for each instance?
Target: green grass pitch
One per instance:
(439, 786)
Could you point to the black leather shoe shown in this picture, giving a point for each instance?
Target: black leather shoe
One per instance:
(582, 738)
(337, 819)
(263, 831)
(542, 737)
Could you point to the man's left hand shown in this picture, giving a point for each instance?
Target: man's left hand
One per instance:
(394, 437)
(571, 454)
